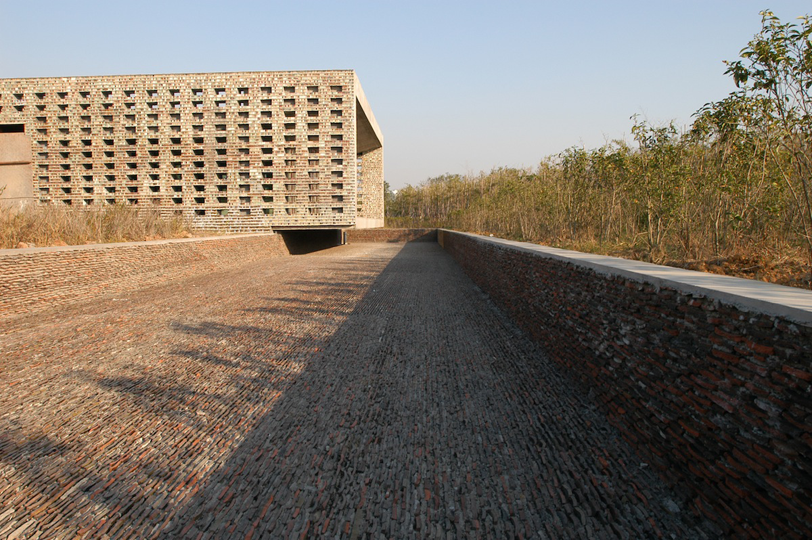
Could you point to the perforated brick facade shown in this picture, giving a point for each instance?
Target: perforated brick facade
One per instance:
(246, 151)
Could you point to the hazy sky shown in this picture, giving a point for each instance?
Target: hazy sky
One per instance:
(456, 87)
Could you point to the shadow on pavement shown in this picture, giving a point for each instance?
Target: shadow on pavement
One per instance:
(368, 396)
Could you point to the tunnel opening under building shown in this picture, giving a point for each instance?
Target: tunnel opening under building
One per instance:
(303, 241)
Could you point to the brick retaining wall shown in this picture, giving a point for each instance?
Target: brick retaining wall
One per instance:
(707, 376)
(40, 278)
(359, 236)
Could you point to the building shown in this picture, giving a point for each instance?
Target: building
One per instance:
(245, 151)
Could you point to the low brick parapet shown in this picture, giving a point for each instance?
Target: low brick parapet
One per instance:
(33, 279)
(358, 236)
(707, 376)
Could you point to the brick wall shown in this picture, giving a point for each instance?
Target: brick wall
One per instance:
(370, 186)
(41, 278)
(713, 388)
(359, 236)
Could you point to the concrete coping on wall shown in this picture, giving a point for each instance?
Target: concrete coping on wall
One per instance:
(50, 249)
(789, 302)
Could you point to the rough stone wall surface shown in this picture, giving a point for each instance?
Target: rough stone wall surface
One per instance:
(242, 151)
(370, 185)
(715, 397)
(41, 278)
(391, 235)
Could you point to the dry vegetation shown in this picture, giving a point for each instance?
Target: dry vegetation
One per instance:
(39, 226)
(732, 194)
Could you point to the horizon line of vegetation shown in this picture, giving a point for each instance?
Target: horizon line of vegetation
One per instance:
(736, 182)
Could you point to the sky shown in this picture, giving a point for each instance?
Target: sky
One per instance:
(456, 87)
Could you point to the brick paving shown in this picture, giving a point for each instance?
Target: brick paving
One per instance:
(367, 391)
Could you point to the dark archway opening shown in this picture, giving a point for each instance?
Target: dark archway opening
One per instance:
(300, 242)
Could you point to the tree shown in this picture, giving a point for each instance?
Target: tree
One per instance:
(776, 70)
(388, 196)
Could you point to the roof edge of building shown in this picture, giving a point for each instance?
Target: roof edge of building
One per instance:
(186, 74)
(363, 104)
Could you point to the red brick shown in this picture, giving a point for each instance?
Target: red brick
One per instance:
(761, 349)
(797, 373)
(726, 356)
(728, 335)
(784, 490)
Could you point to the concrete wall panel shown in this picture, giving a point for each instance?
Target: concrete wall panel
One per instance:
(16, 185)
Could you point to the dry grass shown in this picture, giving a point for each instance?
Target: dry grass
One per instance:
(789, 269)
(784, 265)
(55, 226)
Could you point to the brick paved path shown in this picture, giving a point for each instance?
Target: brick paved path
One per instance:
(368, 391)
